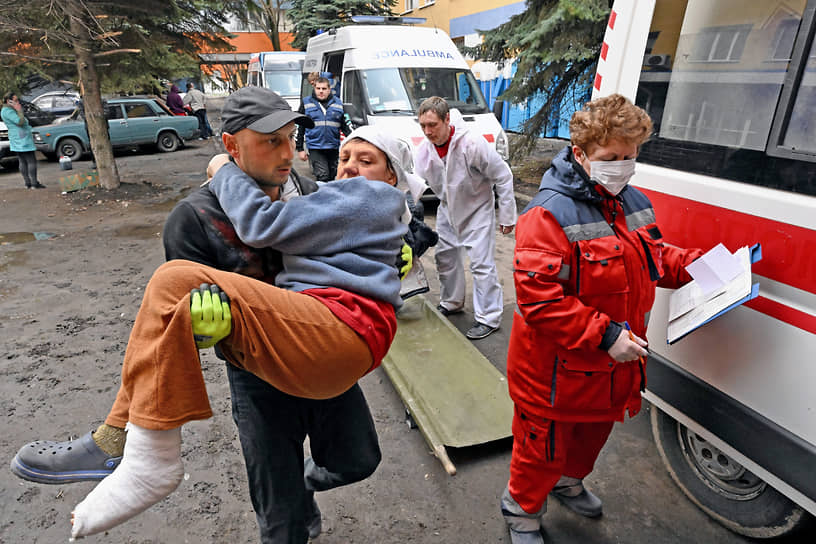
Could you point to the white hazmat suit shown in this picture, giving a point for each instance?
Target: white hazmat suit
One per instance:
(466, 219)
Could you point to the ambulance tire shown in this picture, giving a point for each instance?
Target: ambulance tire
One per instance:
(721, 487)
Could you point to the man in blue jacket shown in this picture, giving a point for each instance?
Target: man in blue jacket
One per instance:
(322, 141)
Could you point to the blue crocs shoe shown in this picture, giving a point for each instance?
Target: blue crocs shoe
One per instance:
(49, 462)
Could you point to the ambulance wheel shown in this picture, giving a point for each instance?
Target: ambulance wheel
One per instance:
(409, 420)
(721, 487)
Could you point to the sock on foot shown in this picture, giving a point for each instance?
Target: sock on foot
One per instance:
(110, 439)
(150, 470)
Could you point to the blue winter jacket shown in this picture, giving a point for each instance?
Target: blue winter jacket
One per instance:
(328, 122)
(20, 136)
(345, 235)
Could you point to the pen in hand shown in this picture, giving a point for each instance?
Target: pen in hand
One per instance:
(632, 338)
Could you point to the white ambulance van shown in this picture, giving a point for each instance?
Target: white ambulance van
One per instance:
(279, 71)
(731, 88)
(386, 71)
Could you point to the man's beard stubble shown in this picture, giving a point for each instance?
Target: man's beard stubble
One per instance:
(271, 183)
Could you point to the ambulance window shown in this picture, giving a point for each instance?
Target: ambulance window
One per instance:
(722, 81)
(352, 92)
(334, 65)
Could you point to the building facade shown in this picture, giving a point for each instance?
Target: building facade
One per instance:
(461, 19)
(227, 70)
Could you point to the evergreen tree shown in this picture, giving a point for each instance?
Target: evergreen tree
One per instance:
(106, 45)
(311, 16)
(556, 43)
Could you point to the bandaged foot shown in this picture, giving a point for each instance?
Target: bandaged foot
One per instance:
(150, 470)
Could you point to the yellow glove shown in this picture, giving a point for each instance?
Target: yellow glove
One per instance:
(211, 316)
(405, 260)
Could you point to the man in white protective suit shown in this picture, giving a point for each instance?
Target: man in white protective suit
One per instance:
(462, 169)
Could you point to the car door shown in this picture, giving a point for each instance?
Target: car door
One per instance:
(117, 125)
(143, 122)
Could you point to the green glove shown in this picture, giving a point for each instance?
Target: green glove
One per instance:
(211, 316)
(405, 260)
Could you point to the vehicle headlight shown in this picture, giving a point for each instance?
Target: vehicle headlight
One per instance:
(37, 138)
(502, 147)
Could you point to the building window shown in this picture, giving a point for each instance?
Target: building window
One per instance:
(782, 45)
(410, 5)
(720, 43)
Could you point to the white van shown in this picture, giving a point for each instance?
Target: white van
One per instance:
(279, 71)
(386, 71)
(729, 86)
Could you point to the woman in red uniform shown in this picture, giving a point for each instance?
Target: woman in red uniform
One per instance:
(588, 257)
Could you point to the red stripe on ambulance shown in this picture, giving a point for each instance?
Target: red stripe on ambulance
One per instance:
(788, 251)
(784, 313)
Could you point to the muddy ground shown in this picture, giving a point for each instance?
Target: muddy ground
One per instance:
(72, 270)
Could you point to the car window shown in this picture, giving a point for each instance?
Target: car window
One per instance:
(161, 109)
(42, 102)
(113, 111)
(62, 102)
(138, 110)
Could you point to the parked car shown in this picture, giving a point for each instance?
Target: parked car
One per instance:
(36, 116)
(7, 158)
(57, 102)
(131, 121)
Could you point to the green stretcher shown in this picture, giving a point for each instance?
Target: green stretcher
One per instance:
(452, 392)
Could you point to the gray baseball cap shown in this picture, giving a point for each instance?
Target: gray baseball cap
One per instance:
(259, 109)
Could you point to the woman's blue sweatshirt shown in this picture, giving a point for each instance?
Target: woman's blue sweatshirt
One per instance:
(345, 235)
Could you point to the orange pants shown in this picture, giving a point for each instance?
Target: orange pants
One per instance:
(288, 339)
(545, 449)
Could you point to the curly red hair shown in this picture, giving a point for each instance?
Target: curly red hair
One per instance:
(612, 117)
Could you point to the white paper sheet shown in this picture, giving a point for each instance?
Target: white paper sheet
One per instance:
(714, 269)
(689, 307)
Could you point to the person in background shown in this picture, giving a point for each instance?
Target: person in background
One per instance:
(174, 101)
(323, 140)
(197, 102)
(588, 257)
(463, 170)
(21, 139)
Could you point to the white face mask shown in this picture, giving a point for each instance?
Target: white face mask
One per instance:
(613, 175)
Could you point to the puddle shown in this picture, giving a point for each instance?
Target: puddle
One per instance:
(23, 237)
(13, 258)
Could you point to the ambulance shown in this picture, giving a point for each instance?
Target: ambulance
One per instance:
(386, 71)
(279, 71)
(731, 88)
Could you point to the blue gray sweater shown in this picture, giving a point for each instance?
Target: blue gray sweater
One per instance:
(346, 234)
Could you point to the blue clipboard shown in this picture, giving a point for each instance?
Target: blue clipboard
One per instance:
(756, 254)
